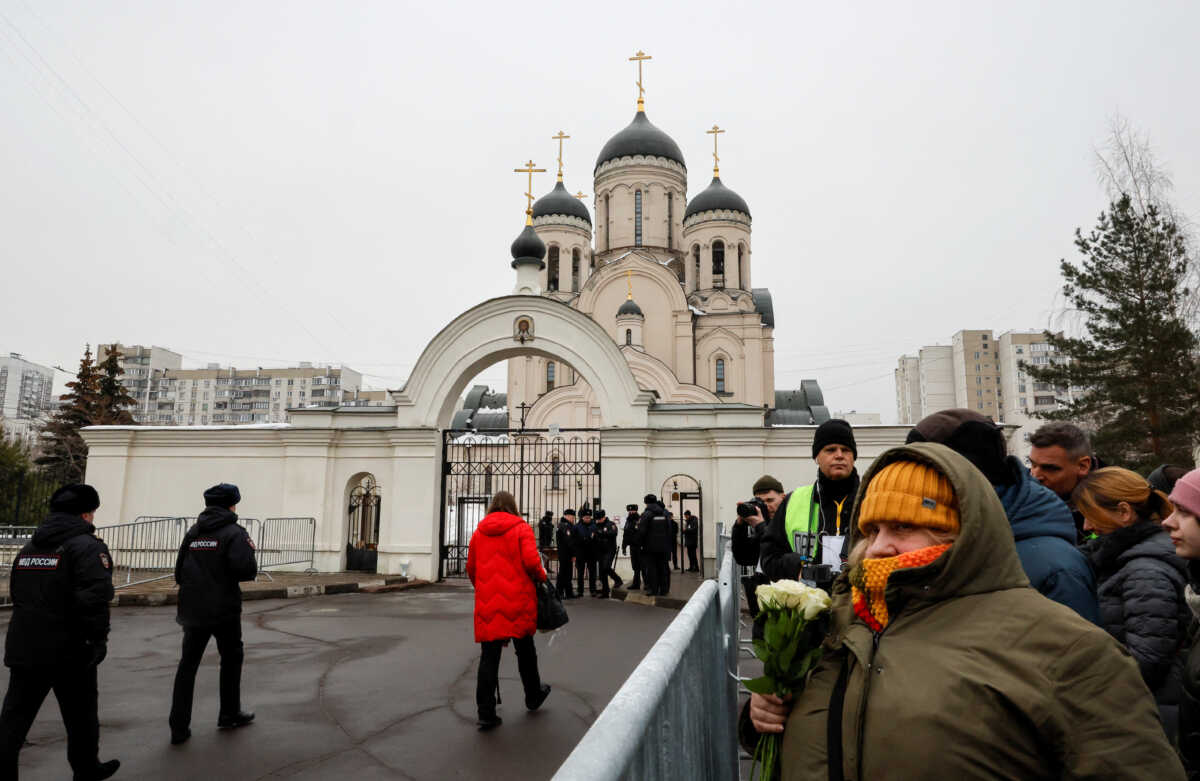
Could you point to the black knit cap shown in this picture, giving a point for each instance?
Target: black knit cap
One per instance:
(649, 499)
(766, 483)
(222, 495)
(76, 499)
(969, 434)
(834, 432)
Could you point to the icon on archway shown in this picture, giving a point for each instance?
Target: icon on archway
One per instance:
(523, 329)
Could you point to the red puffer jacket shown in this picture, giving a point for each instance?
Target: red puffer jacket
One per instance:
(503, 563)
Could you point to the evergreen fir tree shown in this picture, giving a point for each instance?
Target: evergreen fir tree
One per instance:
(115, 400)
(64, 453)
(1133, 373)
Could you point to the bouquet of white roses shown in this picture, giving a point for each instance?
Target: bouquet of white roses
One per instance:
(795, 620)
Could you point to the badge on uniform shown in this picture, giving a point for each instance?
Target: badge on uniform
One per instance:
(106, 561)
(250, 542)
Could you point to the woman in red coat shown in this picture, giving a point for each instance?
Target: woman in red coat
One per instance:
(503, 564)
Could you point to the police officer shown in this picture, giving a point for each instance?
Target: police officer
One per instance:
(654, 534)
(216, 554)
(630, 544)
(691, 538)
(564, 538)
(61, 585)
(606, 545)
(546, 530)
(585, 551)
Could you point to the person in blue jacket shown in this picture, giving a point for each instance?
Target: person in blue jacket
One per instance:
(1042, 524)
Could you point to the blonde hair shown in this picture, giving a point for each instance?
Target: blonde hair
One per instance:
(1099, 495)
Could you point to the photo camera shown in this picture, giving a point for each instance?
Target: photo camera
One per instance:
(631, 508)
(746, 509)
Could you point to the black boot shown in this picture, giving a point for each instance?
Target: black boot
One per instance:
(489, 721)
(535, 702)
(180, 736)
(101, 771)
(239, 719)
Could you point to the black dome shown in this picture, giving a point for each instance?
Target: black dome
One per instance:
(716, 197)
(559, 201)
(528, 248)
(640, 138)
(630, 307)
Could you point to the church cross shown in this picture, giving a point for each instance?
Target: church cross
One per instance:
(629, 281)
(529, 169)
(639, 58)
(580, 195)
(559, 138)
(716, 131)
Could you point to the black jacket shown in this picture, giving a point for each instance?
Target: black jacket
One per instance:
(691, 531)
(745, 540)
(216, 554)
(778, 560)
(61, 585)
(585, 540)
(564, 538)
(654, 529)
(629, 532)
(546, 531)
(606, 537)
(1140, 583)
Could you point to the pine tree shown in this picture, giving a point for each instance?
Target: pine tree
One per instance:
(115, 400)
(1133, 375)
(64, 453)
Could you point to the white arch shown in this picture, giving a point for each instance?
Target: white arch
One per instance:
(486, 334)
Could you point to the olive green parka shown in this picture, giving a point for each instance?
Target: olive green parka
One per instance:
(977, 675)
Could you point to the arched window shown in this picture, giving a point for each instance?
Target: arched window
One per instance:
(743, 272)
(676, 267)
(552, 268)
(555, 473)
(628, 336)
(487, 480)
(671, 221)
(718, 250)
(637, 218)
(696, 263)
(591, 262)
(607, 223)
(720, 375)
(549, 376)
(575, 270)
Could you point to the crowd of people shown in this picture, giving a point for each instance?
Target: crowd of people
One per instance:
(989, 619)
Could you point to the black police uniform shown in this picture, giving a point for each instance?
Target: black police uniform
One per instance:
(585, 555)
(629, 542)
(546, 531)
(215, 556)
(691, 538)
(61, 585)
(564, 539)
(606, 544)
(654, 533)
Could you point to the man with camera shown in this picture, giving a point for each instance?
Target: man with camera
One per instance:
(808, 533)
(752, 517)
(630, 544)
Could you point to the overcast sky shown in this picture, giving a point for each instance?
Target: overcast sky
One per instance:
(262, 183)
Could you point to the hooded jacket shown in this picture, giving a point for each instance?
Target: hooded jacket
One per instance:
(61, 584)
(654, 529)
(1045, 535)
(564, 539)
(503, 563)
(976, 675)
(1140, 584)
(215, 555)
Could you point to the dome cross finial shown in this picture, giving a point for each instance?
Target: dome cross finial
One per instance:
(639, 58)
(716, 131)
(559, 138)
(531, 170)
(629, 281)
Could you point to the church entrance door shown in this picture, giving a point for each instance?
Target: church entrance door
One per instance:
(546, 470)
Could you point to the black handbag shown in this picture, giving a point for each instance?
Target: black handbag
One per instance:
(551, 613)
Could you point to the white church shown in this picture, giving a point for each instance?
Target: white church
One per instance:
(640, 360)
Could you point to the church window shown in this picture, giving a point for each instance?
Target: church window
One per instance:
(720, 375)
(575, 270)
(718, 263)
(591, 262)
(549, 376)
(670, 220)
(552, 268)
(743, 276)
(629, 336)
(555, 472)
(696, 262)
(607, 224)
(637, 218)
(487, 480)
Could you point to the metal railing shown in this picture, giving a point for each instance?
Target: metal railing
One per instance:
(145, 549)
(285, 542)
(675, 716)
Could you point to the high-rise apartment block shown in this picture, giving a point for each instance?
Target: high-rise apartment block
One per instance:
(983, 373)
(24, 395)
(168, 395)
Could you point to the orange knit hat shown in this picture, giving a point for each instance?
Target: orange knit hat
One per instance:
(910, 492)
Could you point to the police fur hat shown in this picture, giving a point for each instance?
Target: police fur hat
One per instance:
(585, 513)
(600, 514)
(222, 495)
(568, 511)
(76, 499)
(649, 499)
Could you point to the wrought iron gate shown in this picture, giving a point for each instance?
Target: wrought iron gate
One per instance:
(545, 470)
(362, 537)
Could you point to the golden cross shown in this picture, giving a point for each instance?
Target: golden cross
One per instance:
(716, 160)
(639, 58)
(580, 195)
(529, 169)
(629, 280)
(559, 138)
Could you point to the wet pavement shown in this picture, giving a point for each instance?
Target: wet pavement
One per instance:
(369, 686)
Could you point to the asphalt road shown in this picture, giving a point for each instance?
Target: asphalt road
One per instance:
(363, 686)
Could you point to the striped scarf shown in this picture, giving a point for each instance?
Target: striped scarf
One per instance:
(869, 581)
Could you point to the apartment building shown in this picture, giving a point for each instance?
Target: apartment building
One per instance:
(977, 372)
(908, 389)
(142, 365)
(25, 389)
(1021, 396)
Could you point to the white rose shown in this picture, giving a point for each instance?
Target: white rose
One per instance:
(790, 593)
(794, 595)
(816, 601)
(767, 596)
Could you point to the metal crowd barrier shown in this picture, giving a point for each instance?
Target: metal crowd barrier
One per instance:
(284, 542)
(676, 715)
(145, 549)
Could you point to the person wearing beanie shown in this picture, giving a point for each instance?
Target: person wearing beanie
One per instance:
(1041, 523)
(60, 587)
(1183, 527)
(941, 661)
(586, 556)
(811, 524)
(654, 537)
(216, 554)
(564, 540)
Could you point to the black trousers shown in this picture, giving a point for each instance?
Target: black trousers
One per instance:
(229, 645)
(588, 563)
(635, 560)
(563, 583)
(657, 571)
(608, 573)
(692, 566)
(75, 690)
(675, 553)
(489, 672)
